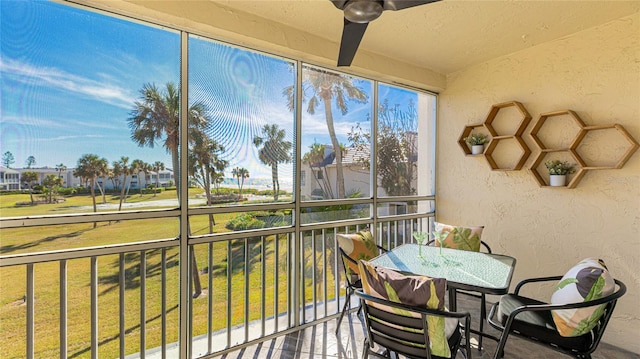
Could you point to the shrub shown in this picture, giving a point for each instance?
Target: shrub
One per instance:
(244, 221)
(67, 191)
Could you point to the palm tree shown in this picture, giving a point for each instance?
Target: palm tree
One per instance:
(140, 166)
(122, 168)
(240, 173)
(325, 86)
(274, 150)
(156, 117)
(157, 167)
(51, 183)
(157, 114)
(61, 168)
(205, 165)
(217, 179)
(89, 168)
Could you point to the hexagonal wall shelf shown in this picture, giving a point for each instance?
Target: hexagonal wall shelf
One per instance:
(633, 145)
(541, 121)
(466, 133)
(575, 179)
(524, 122)
(495, 137)
(582, 165)
(488, 154)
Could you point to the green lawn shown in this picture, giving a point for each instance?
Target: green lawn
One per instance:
(36, 239)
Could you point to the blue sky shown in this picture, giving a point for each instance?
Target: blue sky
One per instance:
(69, 79)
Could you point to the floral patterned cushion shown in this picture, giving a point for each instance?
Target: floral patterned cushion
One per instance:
(414, 290)
(357, 246)
(588, 280)
(464, 238)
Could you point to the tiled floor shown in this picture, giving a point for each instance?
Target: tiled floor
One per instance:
(320, 341)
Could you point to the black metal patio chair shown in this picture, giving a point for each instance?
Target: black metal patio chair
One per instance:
(532, 320)
(407, 335)
(353, 282)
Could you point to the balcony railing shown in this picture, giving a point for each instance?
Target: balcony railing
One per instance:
(255, 287)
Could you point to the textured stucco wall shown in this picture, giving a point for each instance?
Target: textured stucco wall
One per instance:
(596, 73)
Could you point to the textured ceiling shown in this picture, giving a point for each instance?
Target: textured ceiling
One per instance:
(449, 35)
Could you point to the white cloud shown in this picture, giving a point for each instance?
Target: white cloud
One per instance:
(52, 77)
(66, 138)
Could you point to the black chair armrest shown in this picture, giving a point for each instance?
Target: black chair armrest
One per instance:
(345, 255)
(622, 289)
(537, 327)
(486, 246)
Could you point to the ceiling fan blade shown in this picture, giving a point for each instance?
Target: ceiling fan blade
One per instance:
(403, 4)
(351, 36)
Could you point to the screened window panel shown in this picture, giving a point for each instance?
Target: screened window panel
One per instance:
(242, 142)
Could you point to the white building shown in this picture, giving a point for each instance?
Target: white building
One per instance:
(9, 179)
(136, 181)
(356, 176)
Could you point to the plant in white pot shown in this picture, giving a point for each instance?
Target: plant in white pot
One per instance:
(477, 141)
(558, 171)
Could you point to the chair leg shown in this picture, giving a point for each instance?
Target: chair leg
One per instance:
(501, 344)
(483, 317)
(347, 302)
(365, 349)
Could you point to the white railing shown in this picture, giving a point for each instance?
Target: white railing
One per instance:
(259, 284)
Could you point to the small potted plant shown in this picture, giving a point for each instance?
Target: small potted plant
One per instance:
(477, 141)
(558, 171)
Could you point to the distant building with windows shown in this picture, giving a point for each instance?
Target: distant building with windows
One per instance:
(313, 177)
(9, 179)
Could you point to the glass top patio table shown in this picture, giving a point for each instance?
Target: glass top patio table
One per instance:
(475, 271)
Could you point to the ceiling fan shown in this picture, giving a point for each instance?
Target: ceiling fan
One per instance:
(358, 14)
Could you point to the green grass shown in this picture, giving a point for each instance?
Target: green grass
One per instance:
(37, 239)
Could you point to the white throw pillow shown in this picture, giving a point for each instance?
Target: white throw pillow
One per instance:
(588, 280)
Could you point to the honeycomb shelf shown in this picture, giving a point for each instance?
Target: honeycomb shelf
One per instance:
(524, 120)
(583, 130)
(466, 133)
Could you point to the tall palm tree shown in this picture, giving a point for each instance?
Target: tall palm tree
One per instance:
(156, 117)
(274, 150)
(205, 164)
(141, 166)
(90, 167)
(240, 173)
(122, 168)
(157, 167)
(327, 87)
(61, 168)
